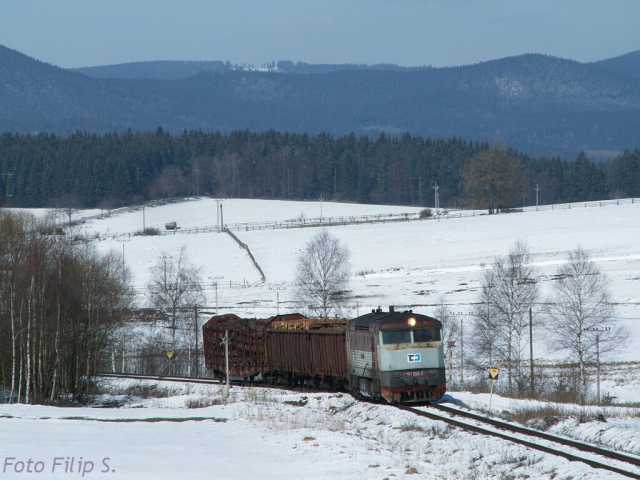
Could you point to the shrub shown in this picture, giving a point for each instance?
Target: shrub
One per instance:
(426, 213)
(203, 402)
(149, 231)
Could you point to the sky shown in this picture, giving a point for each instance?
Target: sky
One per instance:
(73, 33)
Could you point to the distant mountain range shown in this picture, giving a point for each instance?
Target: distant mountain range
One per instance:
(627, 65)
(182, 70)
(538, 103)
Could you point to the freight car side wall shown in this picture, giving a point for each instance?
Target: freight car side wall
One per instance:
(309, 354)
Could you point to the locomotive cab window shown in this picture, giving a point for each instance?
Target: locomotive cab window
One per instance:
(431, 334)
(396, 336)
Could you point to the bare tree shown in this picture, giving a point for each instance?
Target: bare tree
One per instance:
(580, 309)
(322, 275)
(501, 327)
(174, 285)
(170, 183)
(68, 204)
(59, 303)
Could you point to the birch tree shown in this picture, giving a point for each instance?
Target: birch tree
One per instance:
(174, 285)
(501, 328)
(322, 274)
(579, 309)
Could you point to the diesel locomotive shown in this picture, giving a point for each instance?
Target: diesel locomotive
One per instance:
(395, 356)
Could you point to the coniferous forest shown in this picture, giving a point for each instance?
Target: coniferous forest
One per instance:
(110, 170)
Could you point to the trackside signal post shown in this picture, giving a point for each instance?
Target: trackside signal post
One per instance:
(493, 376)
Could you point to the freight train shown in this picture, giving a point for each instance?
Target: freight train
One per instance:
(392, 355)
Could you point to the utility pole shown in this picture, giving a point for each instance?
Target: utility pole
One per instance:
(195, 323)
(461, 353)
(490, 286)
(537, 195)
(218, 215)
(144, 219)
(436, 195)
(531, 384)
(221, 218)
(277, 289)
(214, 283)
(225, 341)
(598, 367)
(598, 330)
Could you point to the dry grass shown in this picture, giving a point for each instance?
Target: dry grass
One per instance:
(410, 426)
(549, 415)
(147, 391)
(203, 402)
(258, 396)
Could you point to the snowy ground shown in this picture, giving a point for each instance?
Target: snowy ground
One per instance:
(259, 433)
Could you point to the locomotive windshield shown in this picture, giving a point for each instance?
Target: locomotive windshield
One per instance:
(426, 335)
(396, 336)
(430, 334)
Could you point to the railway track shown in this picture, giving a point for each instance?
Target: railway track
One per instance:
(599, 457)
(560, 446)
(623, 457)
(162, 378)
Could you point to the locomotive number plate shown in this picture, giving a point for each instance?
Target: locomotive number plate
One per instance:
(414, 357)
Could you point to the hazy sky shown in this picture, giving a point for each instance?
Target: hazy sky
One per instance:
(409, 32)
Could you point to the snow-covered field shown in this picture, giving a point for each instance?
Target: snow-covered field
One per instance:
(413, 263)
(257, 433)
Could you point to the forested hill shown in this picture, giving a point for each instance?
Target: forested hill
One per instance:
(627, 65)
(89, 170)
(536, 103)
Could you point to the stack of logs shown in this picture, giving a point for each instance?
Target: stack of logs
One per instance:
(286, 345)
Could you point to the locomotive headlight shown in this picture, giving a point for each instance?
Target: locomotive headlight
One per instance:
(411, 322)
